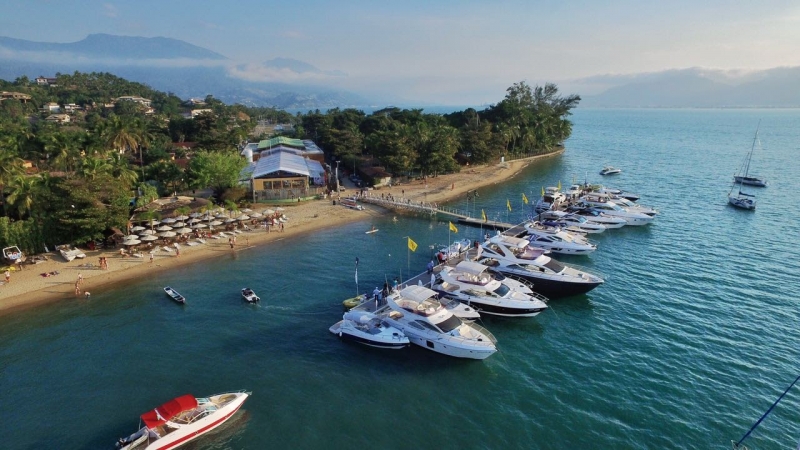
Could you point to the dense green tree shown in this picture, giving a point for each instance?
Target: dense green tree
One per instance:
(216, 170)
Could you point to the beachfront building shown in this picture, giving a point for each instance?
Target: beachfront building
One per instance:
(284, 168)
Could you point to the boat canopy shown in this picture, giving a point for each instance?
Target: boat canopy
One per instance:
(417, 293)
(470, 267)
(167, 411)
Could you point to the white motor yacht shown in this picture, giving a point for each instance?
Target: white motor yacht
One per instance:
(612, 209)
(367, 328)
(453, 250)
(597, 217)
(183, 419)
(600, 198)
(610, 170)
(471, 283)
(426, 322)
(557, 240)
(516, 257)
(571, 222)
(612, 191)
(551, 199)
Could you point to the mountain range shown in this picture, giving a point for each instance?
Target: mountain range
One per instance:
(190, 71)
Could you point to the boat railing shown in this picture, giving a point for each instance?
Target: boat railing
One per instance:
(482, 330)
(587, 270)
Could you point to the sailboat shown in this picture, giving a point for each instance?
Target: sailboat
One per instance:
(736, 197)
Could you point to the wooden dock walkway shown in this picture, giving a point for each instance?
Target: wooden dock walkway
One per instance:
(460, 216)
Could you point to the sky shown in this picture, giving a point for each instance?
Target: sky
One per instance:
(443, 52)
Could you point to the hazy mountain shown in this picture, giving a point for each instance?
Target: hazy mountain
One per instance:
(116, 47)
(184, 69)
(698, 88)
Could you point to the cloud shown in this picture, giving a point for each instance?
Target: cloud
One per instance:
(209, 25)
(73, 59)
(110, 10)
(261, 73)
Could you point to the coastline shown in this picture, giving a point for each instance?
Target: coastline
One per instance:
(29, 289)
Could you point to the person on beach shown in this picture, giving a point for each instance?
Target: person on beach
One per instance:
(177, 252)
(281, 227)
(80, 279)
(151, 257)
(77, 289)
(8, 276)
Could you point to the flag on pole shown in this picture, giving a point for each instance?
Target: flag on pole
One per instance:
(453, 227)
(559, 185)
(508, 204)
(542, 191)
(412, 245)
(524, 198)
(483, 215)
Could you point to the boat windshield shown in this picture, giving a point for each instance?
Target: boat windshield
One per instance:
(501, 290)
(450, 324)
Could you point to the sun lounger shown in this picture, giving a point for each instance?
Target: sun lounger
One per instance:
(201, 241)
(167, 249)
(192, 244)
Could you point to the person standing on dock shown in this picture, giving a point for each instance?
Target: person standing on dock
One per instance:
(430, 267)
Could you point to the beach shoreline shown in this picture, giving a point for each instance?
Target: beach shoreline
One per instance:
(29, 289)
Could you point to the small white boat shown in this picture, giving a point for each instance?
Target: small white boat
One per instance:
(249, 296)
(453, 250)
(13, 255)
(595, 216)
(350, 203)
(367, 328)
(183, 419)
(610, 170)
(69, 253)
(174, 295)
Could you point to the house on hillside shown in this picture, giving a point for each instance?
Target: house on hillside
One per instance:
(46, 81)
(23, 98)
(59, 118)
(196, 112)
(51, 108)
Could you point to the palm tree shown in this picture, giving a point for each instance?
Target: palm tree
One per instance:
(10, 168)
(121, 134)
(23, 193)
(92, 167)
(62, 150)
(121, 170)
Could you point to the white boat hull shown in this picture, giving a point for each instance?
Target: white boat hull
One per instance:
(451, 350)
(190, 432)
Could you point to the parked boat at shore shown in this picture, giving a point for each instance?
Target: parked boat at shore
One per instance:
(472, 284)
(427, 323)
(514, 256)
(13, 255)
(182, 420)
(69, 253)
(369, 329)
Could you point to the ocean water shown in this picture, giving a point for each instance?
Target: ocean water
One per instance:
(690, 340)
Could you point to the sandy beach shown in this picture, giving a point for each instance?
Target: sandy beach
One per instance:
(29, 288)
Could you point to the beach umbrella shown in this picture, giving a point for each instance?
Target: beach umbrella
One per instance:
(183, 230)
(131, 242)
(169, 220)
(178, 225)
(215, 223)
(246, 210)
(193, 220)
(146, 232)
(167, 234)
(230, 220)
(130, 236)
(149, 237)
(151, 223)
(199, 225)
(163, 228)
(280, 209)
(181, 217)
(137, 228)
(256, 215)
(243, 217)
(269, 211)
(219, 215)
(194, 215)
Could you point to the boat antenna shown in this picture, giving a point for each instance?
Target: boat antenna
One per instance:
(737, 445)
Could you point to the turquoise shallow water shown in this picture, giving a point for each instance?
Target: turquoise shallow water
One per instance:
(691, 339)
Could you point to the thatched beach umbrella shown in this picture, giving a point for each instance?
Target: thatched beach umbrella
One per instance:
(182, 217)
(269, 212)
(183, 230)
(243, 217)
(199, 225)
(149, 237)
(137, 228)
(194, 215)
(230, 220)
(169, 220)
(215, 223)
(146, 232)
(130, 236)
(178, 225)
(246, 210)
(131, 242)
(164, 228)
(256, 215)
(195, 220)
(167, 234)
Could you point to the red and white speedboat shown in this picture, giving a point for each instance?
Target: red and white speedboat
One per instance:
(183, 419)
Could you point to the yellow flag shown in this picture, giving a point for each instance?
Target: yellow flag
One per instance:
(542, 191)
(524, 199)
(483, 215)
(508, 204)
(559, 185)
(412, 245)
(453, 227)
